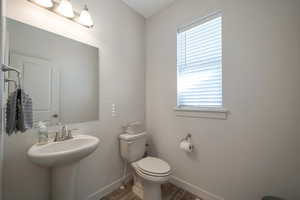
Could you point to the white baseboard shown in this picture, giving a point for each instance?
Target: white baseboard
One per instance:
(205, 195)
(102, 192)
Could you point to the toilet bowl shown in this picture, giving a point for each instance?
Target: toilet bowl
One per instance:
(153, 172)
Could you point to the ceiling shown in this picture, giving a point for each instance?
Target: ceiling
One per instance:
(147, 8)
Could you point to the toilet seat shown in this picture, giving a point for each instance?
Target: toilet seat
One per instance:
(156, 179)
(153, 169)
(153, 166)
(152, 174)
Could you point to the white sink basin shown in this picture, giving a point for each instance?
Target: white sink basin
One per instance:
(63, 152)
(63, 158)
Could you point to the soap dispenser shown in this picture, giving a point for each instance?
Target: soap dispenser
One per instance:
(43, 133)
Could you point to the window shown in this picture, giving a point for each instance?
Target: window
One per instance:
(199, 64)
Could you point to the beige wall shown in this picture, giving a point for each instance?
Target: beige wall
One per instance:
(119, 34)
(256, 150)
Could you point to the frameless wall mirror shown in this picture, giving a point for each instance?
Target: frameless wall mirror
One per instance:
(61, 75)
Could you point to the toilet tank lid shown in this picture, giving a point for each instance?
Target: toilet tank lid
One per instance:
(130, 137)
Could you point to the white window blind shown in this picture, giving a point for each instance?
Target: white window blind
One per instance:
(199, 63)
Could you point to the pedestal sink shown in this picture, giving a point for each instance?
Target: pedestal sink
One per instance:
(63, 158)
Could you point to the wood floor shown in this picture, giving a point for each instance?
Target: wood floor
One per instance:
(169, 192)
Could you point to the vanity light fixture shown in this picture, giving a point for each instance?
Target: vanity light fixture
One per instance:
(85, 17)
(65, 9)
(44, 3)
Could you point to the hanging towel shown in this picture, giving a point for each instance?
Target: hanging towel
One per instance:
(19, 112)
(11, 112)
(24, 114)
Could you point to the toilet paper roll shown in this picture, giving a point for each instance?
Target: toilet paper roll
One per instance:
(186, 146)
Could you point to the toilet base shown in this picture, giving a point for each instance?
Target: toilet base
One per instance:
(145, 189)
(152, 190)
(138, 188)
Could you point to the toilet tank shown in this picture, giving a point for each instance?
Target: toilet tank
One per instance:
(133, 146)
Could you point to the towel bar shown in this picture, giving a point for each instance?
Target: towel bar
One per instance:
(6, 68)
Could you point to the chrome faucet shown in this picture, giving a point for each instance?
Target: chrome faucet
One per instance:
(64, 134)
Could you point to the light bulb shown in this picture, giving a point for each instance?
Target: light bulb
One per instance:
(65, 8)
(44, 3)
(85, 17)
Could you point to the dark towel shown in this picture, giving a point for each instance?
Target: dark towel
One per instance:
(19, 112)
(25, 115)
(11, 113)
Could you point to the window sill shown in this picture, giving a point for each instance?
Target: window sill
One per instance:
(211, 113)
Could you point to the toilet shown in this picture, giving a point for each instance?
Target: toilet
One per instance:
(151, 170)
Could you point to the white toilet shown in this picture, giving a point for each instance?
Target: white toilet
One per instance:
(153, 171)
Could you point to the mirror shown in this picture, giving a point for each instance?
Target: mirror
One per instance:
(61, 75)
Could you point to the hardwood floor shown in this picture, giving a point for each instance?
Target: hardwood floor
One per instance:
(169, 192)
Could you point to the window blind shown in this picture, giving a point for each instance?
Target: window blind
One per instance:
(199, 63)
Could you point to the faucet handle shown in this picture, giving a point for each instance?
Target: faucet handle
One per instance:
(70, 136)
(57, 138)
(64, 131)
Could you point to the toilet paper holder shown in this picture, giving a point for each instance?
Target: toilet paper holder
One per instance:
(186, 144)
(187, 138)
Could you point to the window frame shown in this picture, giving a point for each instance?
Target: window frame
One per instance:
(214, 112)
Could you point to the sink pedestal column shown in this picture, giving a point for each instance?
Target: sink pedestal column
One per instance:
(64, 182)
